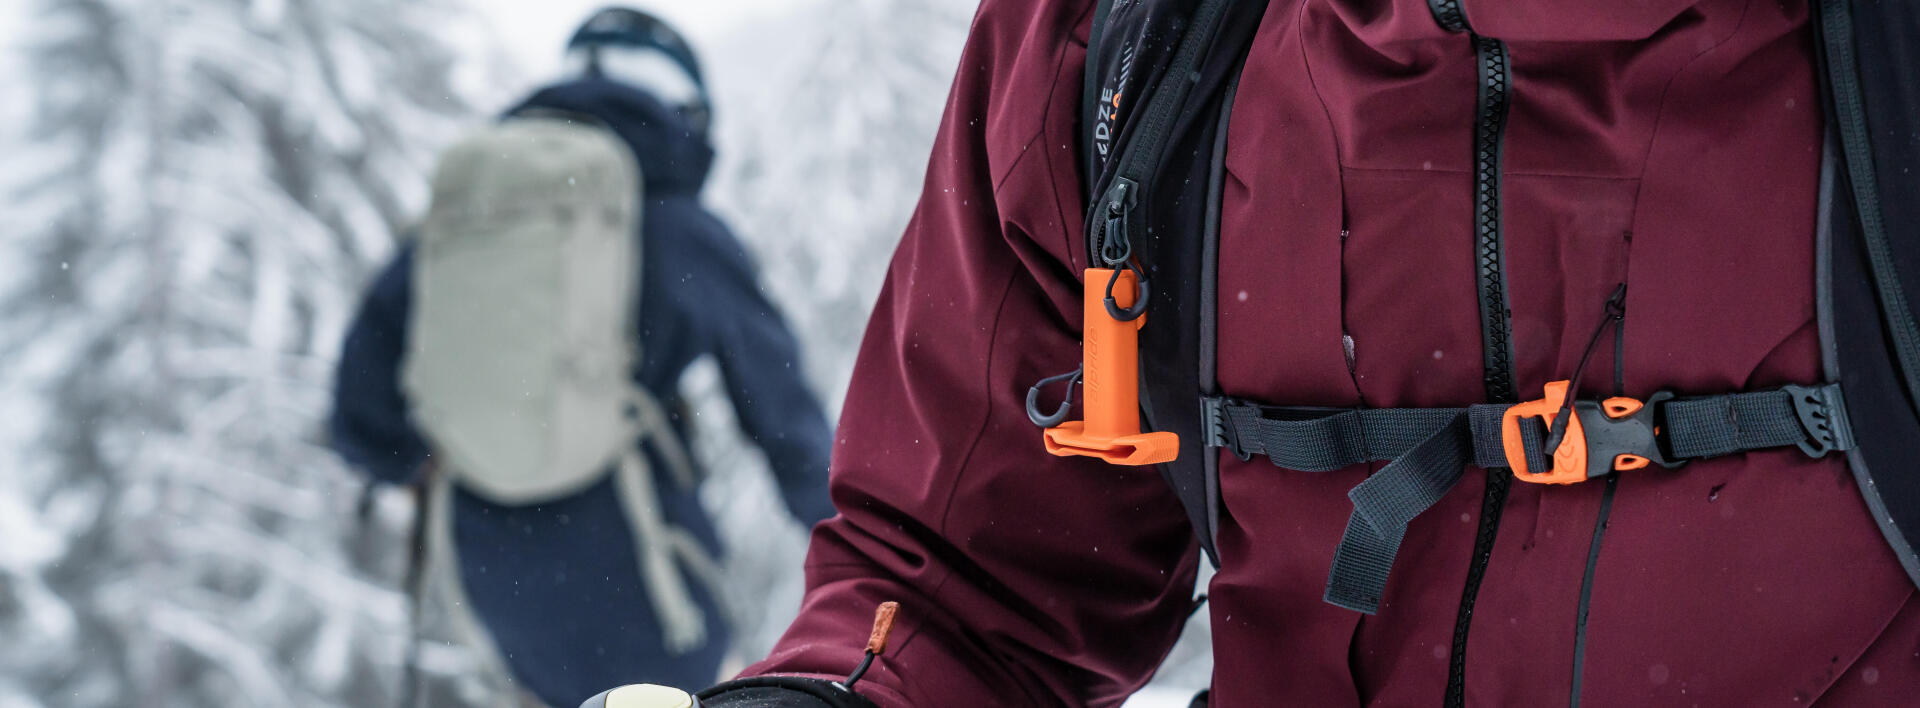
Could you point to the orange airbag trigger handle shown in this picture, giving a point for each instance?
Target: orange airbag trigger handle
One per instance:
(1110, 377)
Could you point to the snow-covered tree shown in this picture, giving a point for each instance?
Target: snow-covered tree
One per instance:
(203, 186)
(824, 151)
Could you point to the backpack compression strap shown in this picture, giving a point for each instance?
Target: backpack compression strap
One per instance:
(1430, 447)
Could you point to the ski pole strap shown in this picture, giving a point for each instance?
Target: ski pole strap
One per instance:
(1429, 448)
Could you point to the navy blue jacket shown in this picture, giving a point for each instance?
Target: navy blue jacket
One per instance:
(557, 585)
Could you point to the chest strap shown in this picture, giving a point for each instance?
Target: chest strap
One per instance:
(1428, 450)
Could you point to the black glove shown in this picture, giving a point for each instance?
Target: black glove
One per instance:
(763, 691)
(781, 692)
(755, 692)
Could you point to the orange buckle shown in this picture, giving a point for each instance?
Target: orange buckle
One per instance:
(1616, 434)
(1111, 370)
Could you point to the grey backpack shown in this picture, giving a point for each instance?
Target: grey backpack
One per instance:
(521, 344)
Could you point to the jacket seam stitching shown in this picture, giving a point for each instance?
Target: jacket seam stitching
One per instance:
(1340, 174)
(1059, 209)
(1025, 148)
(979, 435)
(986, 415)
(946, 571)
(1885, 627)
(1333, 130)
(993, 342)
(1653, 137)
(1060, 57)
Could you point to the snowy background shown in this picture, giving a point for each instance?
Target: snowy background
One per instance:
(192, 193)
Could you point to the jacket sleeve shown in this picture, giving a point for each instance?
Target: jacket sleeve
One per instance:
(1023, 579)
(760, 360)
(369, 426)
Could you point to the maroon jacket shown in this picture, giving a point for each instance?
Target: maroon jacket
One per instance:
(1672, 145)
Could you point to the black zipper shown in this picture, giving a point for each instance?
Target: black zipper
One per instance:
(1112, 232)
(1489, 135)
(1496, 327)
(1449, 15)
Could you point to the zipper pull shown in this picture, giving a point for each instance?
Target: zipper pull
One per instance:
(876, 641)
(1116, 245)
(1615, 312)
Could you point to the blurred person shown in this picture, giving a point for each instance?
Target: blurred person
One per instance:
(521, 357)
(1548, 308)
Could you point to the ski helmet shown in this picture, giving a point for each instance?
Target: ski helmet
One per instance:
(634, 47)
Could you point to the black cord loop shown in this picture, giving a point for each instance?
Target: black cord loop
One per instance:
(1140, 296)
(1048, 420)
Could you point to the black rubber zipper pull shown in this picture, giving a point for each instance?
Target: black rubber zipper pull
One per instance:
(1615, 312)
(1116, 250)
(1116, 244)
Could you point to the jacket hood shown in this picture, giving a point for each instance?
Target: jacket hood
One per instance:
(674, 158)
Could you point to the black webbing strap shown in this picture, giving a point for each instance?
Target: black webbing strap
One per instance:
(1723, 425)
(1386, 502)
(1337, 440)
(1327, 439)
(1384, 505)
(1431, 447)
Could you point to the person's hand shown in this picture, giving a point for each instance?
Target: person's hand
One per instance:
(643, 695)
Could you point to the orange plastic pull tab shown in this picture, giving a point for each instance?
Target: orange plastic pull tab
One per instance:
(876, 641)
(1111, 352)
(882, 627)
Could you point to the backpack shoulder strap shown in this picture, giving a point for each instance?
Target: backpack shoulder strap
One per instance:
(1870, 250)
(1095, 128)
(1159, 78)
